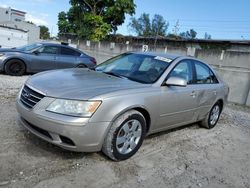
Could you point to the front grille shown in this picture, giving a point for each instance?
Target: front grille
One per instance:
(29, 97)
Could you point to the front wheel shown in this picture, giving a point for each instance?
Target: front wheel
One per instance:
(15, 67)
(125, 136)
(213, 116)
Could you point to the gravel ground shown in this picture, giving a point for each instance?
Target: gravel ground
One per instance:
(186, 157)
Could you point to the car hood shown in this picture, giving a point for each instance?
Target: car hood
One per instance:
(81, 84)
(9, 50)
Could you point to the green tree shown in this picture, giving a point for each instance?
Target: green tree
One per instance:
(159, 25)
(191, 34)
(64, 26)
(94, 19)
(44, 32)
(93, 28)
(143, 26)
(30, 22)
(207, 36)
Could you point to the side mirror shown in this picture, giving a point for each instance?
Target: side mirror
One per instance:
(176, 81)
(36, 52)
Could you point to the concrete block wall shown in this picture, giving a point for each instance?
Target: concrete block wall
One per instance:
(232, 66)
(238, 82)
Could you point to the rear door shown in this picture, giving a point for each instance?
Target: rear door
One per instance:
(44, 59)
(206, 87)
(67, 58)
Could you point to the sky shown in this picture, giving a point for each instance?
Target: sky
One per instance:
(222, 19)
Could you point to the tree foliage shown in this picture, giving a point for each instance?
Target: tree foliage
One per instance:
(191, 34)
(143, 26)
(44, 32)
(207, 36)
(94, 19)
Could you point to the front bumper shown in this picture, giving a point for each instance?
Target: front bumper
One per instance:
(1, 64)
(71, 133)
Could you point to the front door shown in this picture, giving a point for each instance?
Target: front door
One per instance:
(178, 104)
(44, 59)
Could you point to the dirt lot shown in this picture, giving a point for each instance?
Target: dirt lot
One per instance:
(187, 157)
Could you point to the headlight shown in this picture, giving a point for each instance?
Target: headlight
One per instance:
(1, 54)
(74, 107)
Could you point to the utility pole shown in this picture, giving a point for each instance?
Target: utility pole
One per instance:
(176, 28)
(51, 33)
(156, 37)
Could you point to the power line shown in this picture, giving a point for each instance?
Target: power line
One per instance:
(219, 21)
(219, 29)
(221, 26)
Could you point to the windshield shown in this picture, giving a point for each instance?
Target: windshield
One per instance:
(29, 47)
(137, 67)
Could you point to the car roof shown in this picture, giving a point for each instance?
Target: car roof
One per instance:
(51, 43)
(165, 55)
(60, 45)
(168, 55)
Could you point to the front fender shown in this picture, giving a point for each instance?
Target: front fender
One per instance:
(113, 107)
(9, 57)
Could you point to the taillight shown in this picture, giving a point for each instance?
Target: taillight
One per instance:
(93, 60)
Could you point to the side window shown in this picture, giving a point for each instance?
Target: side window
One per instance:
(48, 50)
(183, 70)
(203, 74)
(68, 51)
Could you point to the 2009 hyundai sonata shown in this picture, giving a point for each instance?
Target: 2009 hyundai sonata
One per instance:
(113, 107)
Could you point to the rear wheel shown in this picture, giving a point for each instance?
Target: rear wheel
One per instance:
(125, 136)
(15, 67)
(81, 66)
(213, 116)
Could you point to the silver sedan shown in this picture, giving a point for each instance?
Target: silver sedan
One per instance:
(114, 106)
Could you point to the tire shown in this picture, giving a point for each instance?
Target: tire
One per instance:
(129, 129)
(212, 117)
(81, 66)
(15, 67)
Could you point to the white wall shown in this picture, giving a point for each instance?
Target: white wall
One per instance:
(5, 14)
(10, 38)
(232, 66)
(32, 30)
(8, 18)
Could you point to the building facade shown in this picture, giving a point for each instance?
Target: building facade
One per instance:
(14, 30)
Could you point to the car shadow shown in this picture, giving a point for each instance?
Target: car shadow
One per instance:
(192, 125)
(36, 147)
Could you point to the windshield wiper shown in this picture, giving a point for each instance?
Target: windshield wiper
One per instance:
(113, 74)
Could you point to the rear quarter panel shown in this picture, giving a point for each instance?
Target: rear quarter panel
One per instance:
(85, 60)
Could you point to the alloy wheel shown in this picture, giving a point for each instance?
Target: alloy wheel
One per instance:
(214, 116)
(128, 136)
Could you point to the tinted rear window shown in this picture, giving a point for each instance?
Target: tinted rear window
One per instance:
(68, 51)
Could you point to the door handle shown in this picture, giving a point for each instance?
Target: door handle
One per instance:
(193, 94)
